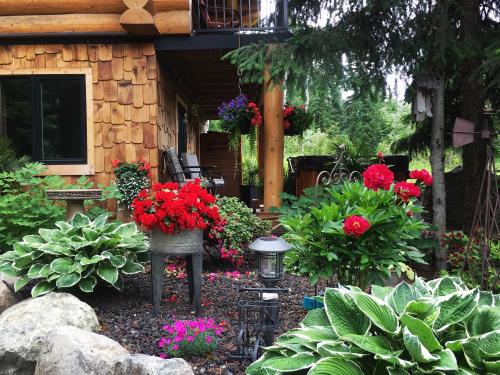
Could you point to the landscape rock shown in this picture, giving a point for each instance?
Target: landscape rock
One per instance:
(141, 364)
(24, 327)
(71, 350)
(7, 297)
(9, 280)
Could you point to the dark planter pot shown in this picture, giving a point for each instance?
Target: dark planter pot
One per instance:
(292, 131)
(245, 127)
(249, 192)
(183, 243)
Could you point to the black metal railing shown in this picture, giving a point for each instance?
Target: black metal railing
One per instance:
(240, 15)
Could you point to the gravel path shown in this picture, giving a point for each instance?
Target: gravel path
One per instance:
(127, 317)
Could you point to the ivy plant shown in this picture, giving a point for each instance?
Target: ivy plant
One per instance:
(435, 327)
(79, 253)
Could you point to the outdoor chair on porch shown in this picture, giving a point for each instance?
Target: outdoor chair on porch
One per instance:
(216, 16)
(189, 169)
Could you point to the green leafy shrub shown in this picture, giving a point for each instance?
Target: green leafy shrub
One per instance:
(24, 206)
(435, 327)
(79, 253)
(322, 248)
(239, 227)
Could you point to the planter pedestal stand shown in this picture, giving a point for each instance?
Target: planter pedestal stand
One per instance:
(185, 243)
(74, 198)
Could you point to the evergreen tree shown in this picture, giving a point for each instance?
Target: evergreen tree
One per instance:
(360, 42)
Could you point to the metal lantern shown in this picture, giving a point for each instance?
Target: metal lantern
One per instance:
(270, 252)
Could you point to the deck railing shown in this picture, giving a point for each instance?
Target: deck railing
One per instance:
(240, 15)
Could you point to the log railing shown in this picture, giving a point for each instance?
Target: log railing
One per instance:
(239, 15)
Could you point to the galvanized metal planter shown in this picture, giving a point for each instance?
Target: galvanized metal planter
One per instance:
(188, 243)
(182, 243)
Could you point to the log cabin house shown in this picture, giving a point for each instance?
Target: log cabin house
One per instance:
(83, 82)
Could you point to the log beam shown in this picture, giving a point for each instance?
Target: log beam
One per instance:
(173, 22)
(274, 140)
(42, 7)
(61, 23)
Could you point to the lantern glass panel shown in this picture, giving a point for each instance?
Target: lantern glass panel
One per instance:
(270, 265)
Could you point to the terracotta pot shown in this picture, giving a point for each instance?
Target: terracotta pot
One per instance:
(184, 242)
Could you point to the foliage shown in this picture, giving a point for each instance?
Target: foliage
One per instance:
(190, 338)
(321, 248)
(468, 264)
(238, 117)
(79, 252)
(296, 119)
(239, 227)
(24, 206)
(433, 327)
(131, 178)
(173, 209)
(9, 161)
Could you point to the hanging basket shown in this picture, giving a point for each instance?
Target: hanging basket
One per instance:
(184, 242)
(292, 131)
(245, 127)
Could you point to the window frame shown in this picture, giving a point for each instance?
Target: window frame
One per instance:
(70, 167)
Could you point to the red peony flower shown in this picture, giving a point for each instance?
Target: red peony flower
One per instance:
(422, 175)
(406, 190)
(355, 226)
(378, 176)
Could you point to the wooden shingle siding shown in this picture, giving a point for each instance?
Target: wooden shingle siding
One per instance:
(125, 113)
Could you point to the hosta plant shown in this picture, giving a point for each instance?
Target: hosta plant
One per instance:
(79, 253)
(435, 327)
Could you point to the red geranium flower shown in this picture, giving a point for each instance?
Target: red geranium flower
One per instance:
(405, 190)
(115, 162)
(355, 226)
(380, 155)
(378, 176)
(422, 175)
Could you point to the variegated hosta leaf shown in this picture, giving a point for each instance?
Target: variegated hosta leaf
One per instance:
(345, 317)
(417, 350)
(292, 363)
(373, 344)
(425, 309)
(339, 350)
(455, 308)
(377, 311)
(420, 329)
(486, 320)
(316, 318)
(335, 366)
(401, 295)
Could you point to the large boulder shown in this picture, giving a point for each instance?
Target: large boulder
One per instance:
(70, 350)
(9, 280)
(141, 364)
(7, 297)
(24, 327)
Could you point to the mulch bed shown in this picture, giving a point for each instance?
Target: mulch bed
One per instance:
(127, 317)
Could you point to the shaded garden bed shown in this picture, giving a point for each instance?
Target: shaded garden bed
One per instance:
(127, 317)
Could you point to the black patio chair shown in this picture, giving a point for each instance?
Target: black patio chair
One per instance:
(188, 170)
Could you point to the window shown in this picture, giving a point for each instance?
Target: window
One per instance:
(45, 117)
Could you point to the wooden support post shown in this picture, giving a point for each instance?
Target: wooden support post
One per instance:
(273, 142)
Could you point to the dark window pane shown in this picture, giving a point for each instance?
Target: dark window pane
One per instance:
(16, 113)
(61, 119)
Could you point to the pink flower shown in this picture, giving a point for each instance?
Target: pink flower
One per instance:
(208, 339)
(175, 347)
(163, 356)
(190, 338)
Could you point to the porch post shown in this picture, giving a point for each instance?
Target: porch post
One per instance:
(273, 142)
